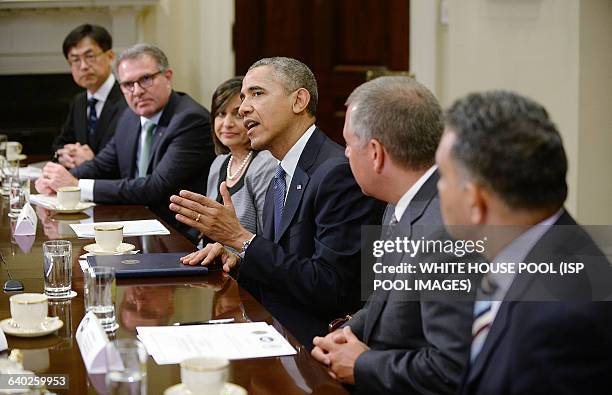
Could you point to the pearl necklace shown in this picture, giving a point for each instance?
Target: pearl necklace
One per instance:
(244, 162)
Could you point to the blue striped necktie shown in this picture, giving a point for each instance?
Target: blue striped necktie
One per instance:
(280, 187)
(483, 317)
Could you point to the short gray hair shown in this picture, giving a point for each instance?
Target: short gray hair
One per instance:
(293, 75)
(402, 115)
(139, 50)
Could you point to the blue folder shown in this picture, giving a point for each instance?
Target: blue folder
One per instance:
(147, 265)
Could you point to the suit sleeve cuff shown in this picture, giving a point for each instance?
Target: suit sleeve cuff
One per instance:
(87, 188)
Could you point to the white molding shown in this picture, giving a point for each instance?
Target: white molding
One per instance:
(32, 32)
(37, 4)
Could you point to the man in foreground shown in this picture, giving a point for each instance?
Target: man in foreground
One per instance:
(93, 114)
(502, 174)
(304, 267)
(395, 344)
(162, 145)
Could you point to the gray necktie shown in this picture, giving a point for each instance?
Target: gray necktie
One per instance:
(145, 148)
(391, 227)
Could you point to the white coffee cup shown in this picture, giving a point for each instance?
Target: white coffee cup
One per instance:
(68, 197)
(108, 236)
(205, 375)
(36, 360)
(28, 310)
(13, 149)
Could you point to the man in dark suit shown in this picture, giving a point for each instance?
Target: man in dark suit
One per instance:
(502, 165)
(162, 145)
(93, 114)
(396, 345)
(304, 267)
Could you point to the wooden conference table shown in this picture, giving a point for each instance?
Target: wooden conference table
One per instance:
(145, 302)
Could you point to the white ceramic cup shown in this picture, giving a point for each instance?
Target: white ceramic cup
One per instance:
(108, 236)
(68, 197)
(36, 360)
(205, 375)
(13, 149)
(28, 310)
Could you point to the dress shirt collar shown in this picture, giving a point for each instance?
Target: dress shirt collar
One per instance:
(405, 200)
(102, 93)
(291, 159)
(154, 118)
(517, 251)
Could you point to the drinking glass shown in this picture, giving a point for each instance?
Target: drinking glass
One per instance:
(98, 289)
(19, 194)
(126, 367)
(57, 268)
(10, 168)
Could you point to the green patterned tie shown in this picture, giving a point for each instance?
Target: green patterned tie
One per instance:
(145, 148)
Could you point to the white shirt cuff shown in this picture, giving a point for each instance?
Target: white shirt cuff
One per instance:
(87, 188)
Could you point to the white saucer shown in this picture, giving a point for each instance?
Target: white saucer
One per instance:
(49, 325)
(95, 249)
(81, 206)
(229, 389)
(71, 295)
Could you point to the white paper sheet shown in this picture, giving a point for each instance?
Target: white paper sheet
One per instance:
(174, 344)
(130, 228)
(50, 202)
(31, 172)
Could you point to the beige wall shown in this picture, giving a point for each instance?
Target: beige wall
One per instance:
(555, 51)
(196, 37)
(594, 172)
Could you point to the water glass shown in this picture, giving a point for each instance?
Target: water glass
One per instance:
(19, 194)
(57, 268)
(62, 309)
(126, 367)
(98, 289)
(10, 169)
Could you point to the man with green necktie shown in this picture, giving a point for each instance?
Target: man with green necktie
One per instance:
(162, 146)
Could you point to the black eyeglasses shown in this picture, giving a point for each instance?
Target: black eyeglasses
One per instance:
(89, 58)
(144, 82)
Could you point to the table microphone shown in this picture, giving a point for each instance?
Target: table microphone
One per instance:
(10, 285)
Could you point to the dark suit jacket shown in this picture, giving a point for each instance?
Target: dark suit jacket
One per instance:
(416, 347)
(309, 274)
(561, 347)
(181, 155)
(75, 127)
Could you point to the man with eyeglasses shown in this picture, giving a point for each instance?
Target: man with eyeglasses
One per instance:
(93, 114)
(161, 146)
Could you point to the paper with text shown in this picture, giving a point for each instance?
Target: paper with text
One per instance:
(174, 344)
(130, 228)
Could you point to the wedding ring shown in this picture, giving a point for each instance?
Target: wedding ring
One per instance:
(197, 219)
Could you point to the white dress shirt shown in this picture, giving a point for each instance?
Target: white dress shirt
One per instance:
(405, 200)
(291, 159)
(101, 94)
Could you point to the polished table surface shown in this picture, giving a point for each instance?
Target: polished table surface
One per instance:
(145, 302)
